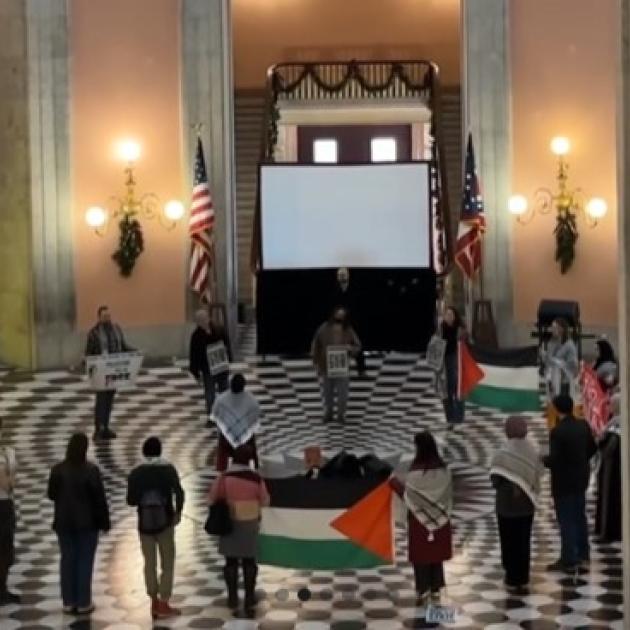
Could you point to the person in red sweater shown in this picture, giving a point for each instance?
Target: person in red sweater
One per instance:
(427, 493)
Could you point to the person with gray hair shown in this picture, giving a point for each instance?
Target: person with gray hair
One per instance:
(7, 520)
(204, 335)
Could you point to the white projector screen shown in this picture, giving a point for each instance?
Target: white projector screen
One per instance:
(373, 215)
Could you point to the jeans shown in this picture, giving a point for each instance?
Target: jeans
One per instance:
(77, 561)
(453, 406)
(571, 515)
(103, 409)
(151, 544)
(330, 387)
(212, 384)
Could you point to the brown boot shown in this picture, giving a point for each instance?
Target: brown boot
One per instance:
(164, 611)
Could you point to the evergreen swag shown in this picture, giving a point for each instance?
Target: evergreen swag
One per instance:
(566, 234)
(130, 245)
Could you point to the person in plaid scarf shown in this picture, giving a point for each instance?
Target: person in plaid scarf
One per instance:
(236, 414)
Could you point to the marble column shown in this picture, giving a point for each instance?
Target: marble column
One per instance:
(208, 96)
(486, 107)
(623, 179)
(51, 211)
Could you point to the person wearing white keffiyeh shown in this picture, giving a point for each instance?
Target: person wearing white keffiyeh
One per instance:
(236, 413)
(515, 472)
(428, 495)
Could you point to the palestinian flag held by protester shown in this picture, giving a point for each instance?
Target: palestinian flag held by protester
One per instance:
(327, 524)
(509, 378)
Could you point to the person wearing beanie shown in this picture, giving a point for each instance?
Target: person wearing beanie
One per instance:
(571, 446)
(151, 487)
(515, 473)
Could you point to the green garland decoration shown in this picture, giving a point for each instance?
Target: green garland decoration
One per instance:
(566, 234)
(130, 245)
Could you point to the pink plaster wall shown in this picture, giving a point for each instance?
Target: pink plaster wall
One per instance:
(270, 31)
(564, 67)
(125, 81)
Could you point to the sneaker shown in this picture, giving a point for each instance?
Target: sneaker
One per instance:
(435, 597)
(85, 610)
(97, 435)
(8, 598)
(164, 611)
(422, 598)
(108, 434)
(69, 610)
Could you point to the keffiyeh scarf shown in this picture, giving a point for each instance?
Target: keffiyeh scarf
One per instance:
(519, 463)
(237, 416)
(429, 497)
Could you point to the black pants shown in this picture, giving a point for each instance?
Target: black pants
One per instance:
(429, 577)
(515, 535)
(250, 572)
(7, 541)
(360, 361)
(212, 385)
(103, 409)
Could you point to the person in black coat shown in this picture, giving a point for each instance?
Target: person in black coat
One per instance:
(81, 511)
(202, 337)
(571, 446)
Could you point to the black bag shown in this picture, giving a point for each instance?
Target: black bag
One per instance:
(219, 521)
(153, 516)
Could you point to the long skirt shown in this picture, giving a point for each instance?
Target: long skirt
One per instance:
(242, 541)
(515, 536)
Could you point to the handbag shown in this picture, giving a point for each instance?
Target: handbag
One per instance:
(219, 521)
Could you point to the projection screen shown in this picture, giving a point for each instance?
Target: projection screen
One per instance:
(372, 215)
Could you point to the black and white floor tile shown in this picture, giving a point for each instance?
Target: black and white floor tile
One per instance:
(42, 410)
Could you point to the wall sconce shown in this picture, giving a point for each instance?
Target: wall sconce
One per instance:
(128, 209)
(568, 204)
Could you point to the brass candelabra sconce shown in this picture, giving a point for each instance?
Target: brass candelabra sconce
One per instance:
(128, 209)
(568, 204)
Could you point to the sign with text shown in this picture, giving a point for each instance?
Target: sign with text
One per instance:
(337, 362)
(440, 614)
(113, 371)
(435, 353)
(217, 358)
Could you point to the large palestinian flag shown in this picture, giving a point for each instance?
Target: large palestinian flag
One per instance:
(327, 524)
(507, 379)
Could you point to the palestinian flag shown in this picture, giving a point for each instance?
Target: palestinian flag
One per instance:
(327, 524)
(510, 380)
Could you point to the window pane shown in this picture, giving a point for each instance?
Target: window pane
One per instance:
(383, 149)
(325, 150)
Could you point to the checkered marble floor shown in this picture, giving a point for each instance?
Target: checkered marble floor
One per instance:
(41, 410)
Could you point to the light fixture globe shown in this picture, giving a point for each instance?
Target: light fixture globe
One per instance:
(517, 205)
(596, 208)
(95, 217)
(174, 210)
(560, 145)
(128, 150)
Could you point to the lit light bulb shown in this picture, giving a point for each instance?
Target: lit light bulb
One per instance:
(174, 210)
(129, 150)
(517, 205)
(596, 208)
(95, 217)
(560, 145)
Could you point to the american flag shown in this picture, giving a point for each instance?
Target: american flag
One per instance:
(201, 228)
(472, 222)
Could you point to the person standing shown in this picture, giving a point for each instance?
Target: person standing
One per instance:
(335, 332)
(203, 336)
(560, 363)
(105, 338)
(346, 295)
(515, 473)
(452, 331)
(8, 466)
(151, 487)
(237, 414)
(606, 365)
(245, 493)
(81, 511)
(428, 494)
(571, 446)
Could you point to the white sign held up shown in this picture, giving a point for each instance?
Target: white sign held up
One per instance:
(337, 362)
(113, 371)
(217, 358)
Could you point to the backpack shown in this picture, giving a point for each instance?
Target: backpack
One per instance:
(153, 516)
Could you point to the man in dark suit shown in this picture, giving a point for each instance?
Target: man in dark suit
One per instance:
(344, 295)
(571, 446)
(105, 338)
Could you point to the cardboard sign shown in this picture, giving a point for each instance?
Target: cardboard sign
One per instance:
(113, 371)
(435, 353)
(337, 362)
(217, 358)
